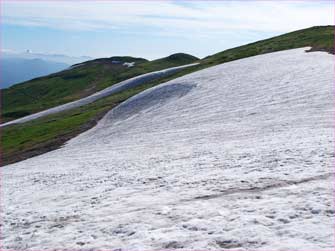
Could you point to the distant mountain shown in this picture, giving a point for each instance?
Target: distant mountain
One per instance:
(17, 67)
(16, 70)
(46, 57)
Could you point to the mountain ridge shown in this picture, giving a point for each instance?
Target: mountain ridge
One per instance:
(79, 81)
(36, 137)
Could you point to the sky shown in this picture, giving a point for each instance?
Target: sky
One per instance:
(152, 28)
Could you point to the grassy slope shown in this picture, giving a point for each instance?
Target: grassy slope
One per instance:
(33, 138)
(79, 81)
(319, 38)
(22, 141)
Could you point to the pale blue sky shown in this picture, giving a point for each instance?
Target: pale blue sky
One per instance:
(151, 29)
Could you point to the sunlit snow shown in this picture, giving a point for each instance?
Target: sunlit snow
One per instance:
(131, 64)
(236, 156)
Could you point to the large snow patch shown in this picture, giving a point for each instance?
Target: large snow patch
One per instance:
(238, 156)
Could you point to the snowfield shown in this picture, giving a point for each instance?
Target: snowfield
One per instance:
(236, 156)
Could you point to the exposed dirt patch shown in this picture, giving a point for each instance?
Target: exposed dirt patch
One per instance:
(315, 48)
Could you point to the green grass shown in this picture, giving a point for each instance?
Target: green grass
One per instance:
(319, 38)
(35, 137)
(55, 129)
(84, 79)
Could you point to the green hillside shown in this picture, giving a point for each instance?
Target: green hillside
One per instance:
(44, 134)
(77, 82)
(320, 38)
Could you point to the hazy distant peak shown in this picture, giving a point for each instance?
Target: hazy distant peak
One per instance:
(28, 54)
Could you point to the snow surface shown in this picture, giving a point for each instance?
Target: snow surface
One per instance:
(124, 85)
(129, 64)
(237, 156)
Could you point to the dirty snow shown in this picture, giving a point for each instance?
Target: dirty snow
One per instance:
(237, 156)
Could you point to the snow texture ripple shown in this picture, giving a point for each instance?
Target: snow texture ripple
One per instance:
(236, 156)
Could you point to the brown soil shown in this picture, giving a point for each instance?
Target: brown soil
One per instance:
(329, 50)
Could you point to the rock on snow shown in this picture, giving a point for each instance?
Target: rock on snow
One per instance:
(236, 156)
